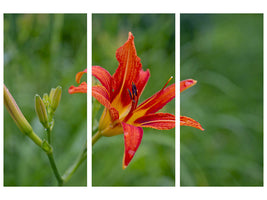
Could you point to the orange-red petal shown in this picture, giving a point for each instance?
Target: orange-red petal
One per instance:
(82, 88)
(185, 84)
(79, 75)
(142, 81)
(157, 101)
(160, 121)
(101, 94)
(127, 72)
(132, 139)
(187, 121)
(103, 76)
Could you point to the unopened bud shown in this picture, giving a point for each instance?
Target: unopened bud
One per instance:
(41, 111)
(46, 99)
(15, 112)
(51, 94)
(55, 96)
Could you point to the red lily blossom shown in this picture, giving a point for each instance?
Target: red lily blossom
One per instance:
(187, 121)
(82, 88)
(120, 93)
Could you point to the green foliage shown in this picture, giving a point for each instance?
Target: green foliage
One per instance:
(224, 53)
(154, 161)
(42, 51)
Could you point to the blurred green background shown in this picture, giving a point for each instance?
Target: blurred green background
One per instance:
(224, 53)
(154, 161)
(42, 51)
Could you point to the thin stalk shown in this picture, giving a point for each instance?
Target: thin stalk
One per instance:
(50, 154)
(96, 137)
(69, 172)
(51, 124)
(54, 168)
(48, 132)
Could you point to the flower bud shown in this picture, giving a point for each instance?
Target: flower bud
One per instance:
(41, 111)
(55, 96)
(51, 94)
(15, 112)
(46, 100)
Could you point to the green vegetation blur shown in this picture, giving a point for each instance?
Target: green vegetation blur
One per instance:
(154, 161)
(224, 53)
(42, 51)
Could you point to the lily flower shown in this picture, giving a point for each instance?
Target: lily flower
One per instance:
(187, 121)
(120, 93)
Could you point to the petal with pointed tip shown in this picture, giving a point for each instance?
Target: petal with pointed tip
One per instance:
(187, 121)
(127, 71)
(132, 139)
(79, 75)
(185, 84)
(82, 88)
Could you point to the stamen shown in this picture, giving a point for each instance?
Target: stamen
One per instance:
(134, 89)
(134, 98)
(130, 94)
(167, 82)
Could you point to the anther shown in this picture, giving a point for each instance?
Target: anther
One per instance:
(130, 94)
(134, 89)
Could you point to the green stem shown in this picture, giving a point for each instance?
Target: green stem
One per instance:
(35, 138)
(69, 172)
(54, 168)
(48, 132)
(96, 137)
(51, 124)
